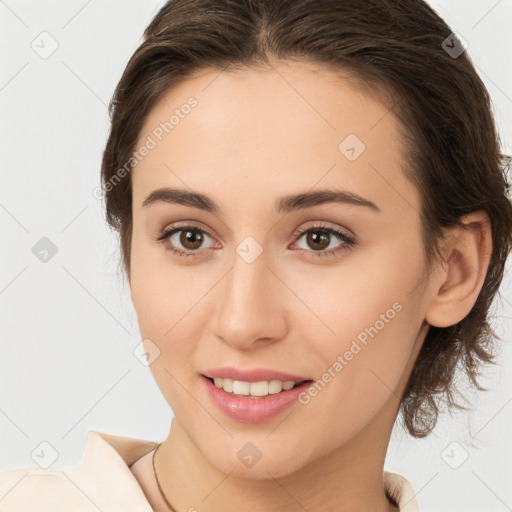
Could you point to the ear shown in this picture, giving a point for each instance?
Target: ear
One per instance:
(461, 274)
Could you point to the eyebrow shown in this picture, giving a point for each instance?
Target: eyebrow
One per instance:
(283, 205)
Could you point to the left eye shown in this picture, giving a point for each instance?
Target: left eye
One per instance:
(320, 238)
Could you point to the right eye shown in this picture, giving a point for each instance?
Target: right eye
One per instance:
(183, 241)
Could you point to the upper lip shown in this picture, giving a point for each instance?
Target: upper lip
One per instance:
(252, 375)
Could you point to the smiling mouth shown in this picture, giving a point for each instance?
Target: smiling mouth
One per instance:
(259, 389)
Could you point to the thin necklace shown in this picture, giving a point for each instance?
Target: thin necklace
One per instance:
(158, 483)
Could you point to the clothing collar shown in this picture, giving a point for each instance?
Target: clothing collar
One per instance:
(104, 474)
(107, 454)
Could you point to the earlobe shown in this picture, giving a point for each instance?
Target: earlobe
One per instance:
(461, 275)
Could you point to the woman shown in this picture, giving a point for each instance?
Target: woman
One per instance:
(313, 221)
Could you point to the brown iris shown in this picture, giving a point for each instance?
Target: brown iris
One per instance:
(316, 237)
(193, 237)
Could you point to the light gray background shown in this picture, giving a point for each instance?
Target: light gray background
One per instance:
(68, 326)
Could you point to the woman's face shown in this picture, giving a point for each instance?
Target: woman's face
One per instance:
(258, 279)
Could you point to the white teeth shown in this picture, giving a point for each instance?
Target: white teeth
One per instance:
(227, 385)
(259, 388)
(275, 386)
(288, 384)
(241, 388)
(262, 388)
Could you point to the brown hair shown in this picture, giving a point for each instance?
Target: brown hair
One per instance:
(398, 51)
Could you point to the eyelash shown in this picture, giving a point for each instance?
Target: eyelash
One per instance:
(348, 244)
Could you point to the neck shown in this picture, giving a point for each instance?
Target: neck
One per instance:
(349, 478)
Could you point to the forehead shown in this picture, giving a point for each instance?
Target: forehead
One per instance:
(263, 133)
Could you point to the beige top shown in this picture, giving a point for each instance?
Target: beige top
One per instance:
(102, 480)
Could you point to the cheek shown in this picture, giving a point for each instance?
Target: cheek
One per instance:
(157, 289)
(171, 303)
(167, 312)
(371, 288)
(369, 323)
(360, 370)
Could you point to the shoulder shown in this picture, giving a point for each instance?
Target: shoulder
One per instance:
(401, 491)
(101, 480)
(28, 488)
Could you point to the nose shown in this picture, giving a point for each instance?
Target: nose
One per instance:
(251, 304)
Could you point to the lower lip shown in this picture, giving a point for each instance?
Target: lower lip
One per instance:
(253, 409)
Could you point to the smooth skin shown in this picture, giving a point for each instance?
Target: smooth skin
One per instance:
(256, 136)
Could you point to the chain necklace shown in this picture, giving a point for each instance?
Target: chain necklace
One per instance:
(158, 483)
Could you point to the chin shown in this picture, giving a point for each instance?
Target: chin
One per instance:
(253, 463)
